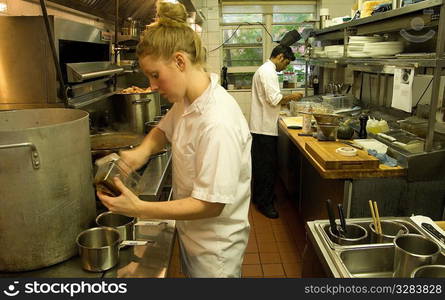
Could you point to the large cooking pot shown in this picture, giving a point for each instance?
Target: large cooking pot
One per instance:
(47, 196)
(133, 111)
(112, 142)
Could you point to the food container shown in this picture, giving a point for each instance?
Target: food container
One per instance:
(123, 224)
(390, 229)
(354, 235)
(429, 271)
(412, 251)
(98, 248)
(116, 168)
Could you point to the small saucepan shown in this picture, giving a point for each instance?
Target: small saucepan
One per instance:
(99, 248)
(124, 224)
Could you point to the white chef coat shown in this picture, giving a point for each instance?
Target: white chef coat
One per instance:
(211, 161)
(266, 96)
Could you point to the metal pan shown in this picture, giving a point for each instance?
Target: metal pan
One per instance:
(106, 143)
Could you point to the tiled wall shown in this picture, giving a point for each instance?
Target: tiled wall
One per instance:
(211, 33)
(24, 8)
(243, 98)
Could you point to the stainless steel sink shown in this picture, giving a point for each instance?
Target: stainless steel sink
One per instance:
(369, 262)
(364, 260)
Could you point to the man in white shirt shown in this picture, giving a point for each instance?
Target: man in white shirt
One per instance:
(265, 108)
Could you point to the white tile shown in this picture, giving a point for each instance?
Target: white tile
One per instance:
(213, 25)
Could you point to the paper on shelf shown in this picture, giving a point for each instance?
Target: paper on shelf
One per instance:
(402, 96)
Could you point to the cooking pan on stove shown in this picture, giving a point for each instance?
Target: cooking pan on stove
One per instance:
(111, 142)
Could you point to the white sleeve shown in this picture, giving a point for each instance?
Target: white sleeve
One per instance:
(271, 88)
(218, 165)
(167, 123)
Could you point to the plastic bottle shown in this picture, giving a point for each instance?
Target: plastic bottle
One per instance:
(225, 82)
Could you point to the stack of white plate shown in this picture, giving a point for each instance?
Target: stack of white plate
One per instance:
(357, 43)
(383, 48)
(334, 51)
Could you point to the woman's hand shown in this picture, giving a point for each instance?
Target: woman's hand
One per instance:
(126, 203)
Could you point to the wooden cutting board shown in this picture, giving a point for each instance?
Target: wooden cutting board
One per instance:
(324, 153)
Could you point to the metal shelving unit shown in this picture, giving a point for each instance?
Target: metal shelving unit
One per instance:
(392, 21)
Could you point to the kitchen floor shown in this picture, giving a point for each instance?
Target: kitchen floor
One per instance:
(275, 245)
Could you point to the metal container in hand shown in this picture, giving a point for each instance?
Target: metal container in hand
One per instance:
(389, 231)
(354, 235)
(99, 248)
(429, 271)
(46, 193)
(412, 251)
(124, 224)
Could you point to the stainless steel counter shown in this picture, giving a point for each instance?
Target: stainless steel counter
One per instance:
(150, 261)
(364, 260)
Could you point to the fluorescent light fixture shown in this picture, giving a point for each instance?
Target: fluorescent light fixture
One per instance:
(171, 1)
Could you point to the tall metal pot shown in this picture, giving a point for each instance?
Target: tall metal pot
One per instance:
(47, 196)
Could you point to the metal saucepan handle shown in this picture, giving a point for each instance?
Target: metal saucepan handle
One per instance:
(135, 243)
(34, 153)
(142, 101)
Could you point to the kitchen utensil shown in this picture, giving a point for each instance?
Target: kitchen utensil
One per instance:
(110, 142)
(104, 178)
(46, 193)
(99, 248)
(429, 271)
(331, 216)
(341, 217)
(390, 229)
(433, 231)
(351, 144)
(354, 235)
(374, 218)
(324, 154)
(123, 224)
(412, 251)
(377, 217)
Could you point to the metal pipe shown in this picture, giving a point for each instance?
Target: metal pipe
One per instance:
(116, 30)
(440, 63)
(49, 31)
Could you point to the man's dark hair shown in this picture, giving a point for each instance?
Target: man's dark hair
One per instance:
(286, 50)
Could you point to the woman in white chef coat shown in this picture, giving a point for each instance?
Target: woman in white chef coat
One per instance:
(211, 146)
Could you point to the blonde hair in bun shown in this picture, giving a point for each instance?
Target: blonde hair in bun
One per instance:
(171, 33)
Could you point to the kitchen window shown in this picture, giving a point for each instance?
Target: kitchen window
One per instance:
(250, 32)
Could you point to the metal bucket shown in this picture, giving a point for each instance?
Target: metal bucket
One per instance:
(412, 251)
(389, 231)
(47, 196)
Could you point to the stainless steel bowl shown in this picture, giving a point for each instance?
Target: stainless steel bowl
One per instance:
(123, 224)
(429, 271)
(98, 248)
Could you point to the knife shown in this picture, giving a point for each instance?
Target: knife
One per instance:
(433, 231)
(342, 217)
(352, 144)
(331, 217)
